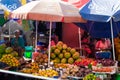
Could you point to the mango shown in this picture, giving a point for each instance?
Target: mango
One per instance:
(70, 60)
(67, 55)
(63, 60)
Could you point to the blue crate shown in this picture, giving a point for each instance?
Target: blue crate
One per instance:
(103, 54)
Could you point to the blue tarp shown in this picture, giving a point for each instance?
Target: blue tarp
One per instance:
(100, 29)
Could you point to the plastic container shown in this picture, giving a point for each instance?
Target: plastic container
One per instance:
(29, 48)
(28, 52)
(117, 76)
(103, 54)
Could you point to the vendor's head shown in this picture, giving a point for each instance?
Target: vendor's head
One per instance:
(17, 33)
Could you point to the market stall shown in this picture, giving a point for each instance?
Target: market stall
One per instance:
(61, 15)
(64, 62)
(93, 11)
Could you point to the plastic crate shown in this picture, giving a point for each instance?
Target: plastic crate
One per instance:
(103, 54)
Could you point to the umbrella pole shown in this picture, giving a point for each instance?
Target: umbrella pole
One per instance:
(113, 49)
(9, 31)
(49, 47)
(36, 25)
(80, 41)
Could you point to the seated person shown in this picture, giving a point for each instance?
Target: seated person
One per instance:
(18, 42)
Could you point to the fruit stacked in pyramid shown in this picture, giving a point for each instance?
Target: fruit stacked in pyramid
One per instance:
(61, 53)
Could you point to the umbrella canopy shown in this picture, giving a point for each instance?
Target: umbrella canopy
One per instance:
(11, 26)
(102, 11)
(77, 3)
(48, 10)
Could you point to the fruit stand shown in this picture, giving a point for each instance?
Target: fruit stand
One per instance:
(66, 63)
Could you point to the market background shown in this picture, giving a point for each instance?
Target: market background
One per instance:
(68, 33)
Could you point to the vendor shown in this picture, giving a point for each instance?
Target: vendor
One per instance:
(18, 42)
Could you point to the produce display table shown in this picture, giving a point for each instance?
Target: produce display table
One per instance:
(66, 64)
(26, 75)
(106, 75)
